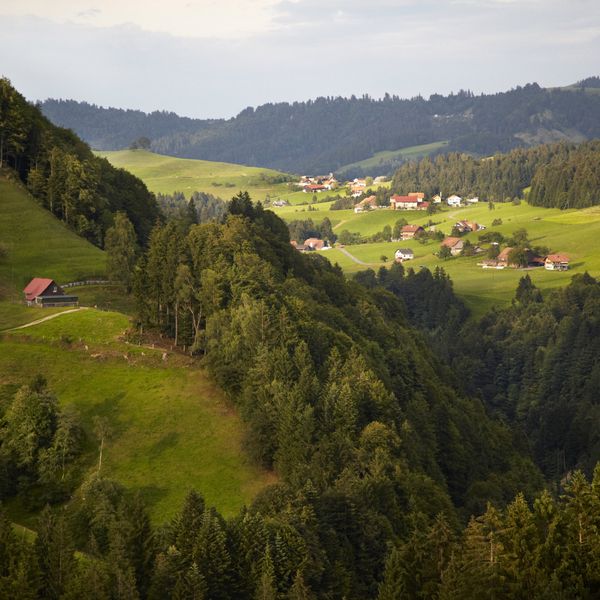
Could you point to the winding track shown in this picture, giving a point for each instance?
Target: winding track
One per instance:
(38, 321)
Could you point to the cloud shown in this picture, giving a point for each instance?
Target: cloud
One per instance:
(88, 13)
(305, 49)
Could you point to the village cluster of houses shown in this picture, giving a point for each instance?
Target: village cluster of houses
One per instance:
(320, 183)
(410, 201)
(552, 262)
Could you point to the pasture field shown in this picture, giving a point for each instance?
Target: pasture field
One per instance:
(167, 174)
(172, 429)
(574, 232)
(38, 244)
(385, 156)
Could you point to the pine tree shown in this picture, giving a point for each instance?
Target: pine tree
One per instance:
(121, 248)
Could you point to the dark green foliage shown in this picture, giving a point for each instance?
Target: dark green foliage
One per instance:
(39, 446)
(275, 135)
(63, 174)
(560, 175)
(536, 363)
(199, 208)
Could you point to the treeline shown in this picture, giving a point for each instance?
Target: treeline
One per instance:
(536, 365)
(62, 173)
(39, 446)
(200, 207)
(560, 175)
(547, 549)
(282, 135)
(571, 181)
(115, 128)
(302, 229)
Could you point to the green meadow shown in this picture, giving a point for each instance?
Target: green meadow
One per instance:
(38, 244)
(386, 156)
(167, 174)
(574, 232)
(172, 429)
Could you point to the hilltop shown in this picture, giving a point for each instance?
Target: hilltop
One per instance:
(327, 134)
(167, 174)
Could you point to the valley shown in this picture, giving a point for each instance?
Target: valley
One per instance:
(571, 231)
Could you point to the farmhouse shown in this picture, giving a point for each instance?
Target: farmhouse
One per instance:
(418, 195)
(369, 203)
(436, 199)
(556, 262)
(404, 202)
(455, 244)
(408, 232)
(403, 254)
(502, 258)
(454, 200)
(315, 244)
(313, 187)
(467, 226)
(47, 293)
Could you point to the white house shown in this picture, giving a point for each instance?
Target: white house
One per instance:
(454, 200)
(404, 202)
(557, 262)
(404, 254)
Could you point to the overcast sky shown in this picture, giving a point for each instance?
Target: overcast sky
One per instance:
(212, 58)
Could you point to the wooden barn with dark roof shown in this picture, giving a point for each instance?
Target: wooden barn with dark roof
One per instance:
(46, 293)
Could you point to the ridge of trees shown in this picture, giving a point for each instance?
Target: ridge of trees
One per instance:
(63, 174)
(287, 136)
(560, 175)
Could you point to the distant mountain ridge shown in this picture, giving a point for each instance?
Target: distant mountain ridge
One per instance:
(327, 133)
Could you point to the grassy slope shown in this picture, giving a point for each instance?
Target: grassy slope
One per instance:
(172, 429)
(385, 156)
(38, 245)
(166, 174)
(575, 232)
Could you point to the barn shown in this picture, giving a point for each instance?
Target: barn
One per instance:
(47, 293)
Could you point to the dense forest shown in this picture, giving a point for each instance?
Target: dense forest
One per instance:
(291, 137)
(405, 468)
(64, 175)
(115, 128)
(560, 175)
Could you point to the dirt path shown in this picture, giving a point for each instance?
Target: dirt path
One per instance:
(339, 224)
(38, 321)
(352, 257)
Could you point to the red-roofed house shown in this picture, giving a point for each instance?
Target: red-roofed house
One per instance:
(46, 292)
(408, 232)
(418, 195)
(556, 262)
(404, 202)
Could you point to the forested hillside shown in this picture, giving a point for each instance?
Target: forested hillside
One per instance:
(327, 133)
(382, 451)
(560, 175)
(63, 174)
(115, 128)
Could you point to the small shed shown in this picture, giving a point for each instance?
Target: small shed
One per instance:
(47, 293)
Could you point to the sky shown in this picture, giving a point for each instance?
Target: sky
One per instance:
(213, 58)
